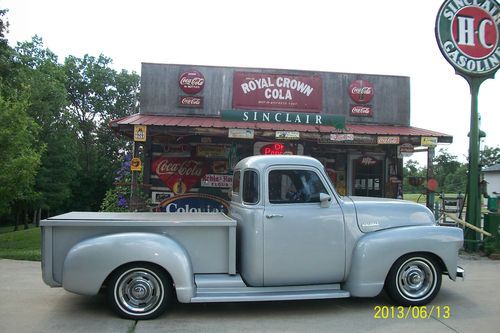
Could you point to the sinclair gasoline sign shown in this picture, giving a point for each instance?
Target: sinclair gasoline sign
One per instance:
(468, 34)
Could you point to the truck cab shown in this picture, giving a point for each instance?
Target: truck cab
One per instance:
(291, 228)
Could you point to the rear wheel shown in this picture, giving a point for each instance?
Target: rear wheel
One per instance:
(139, 291)
(413, 280)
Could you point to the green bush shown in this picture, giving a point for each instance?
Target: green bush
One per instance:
(491, 245)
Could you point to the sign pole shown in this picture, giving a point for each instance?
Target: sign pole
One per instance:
(468, 36)
(473, 213)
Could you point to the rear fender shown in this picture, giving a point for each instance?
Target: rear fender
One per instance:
(90, 262)
(376, 252)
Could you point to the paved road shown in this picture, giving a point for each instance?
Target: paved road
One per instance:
(27, 305)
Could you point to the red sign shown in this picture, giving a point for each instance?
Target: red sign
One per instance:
(260, 91)
(191, 82)
(273, 149)
(191, 101)
(361, 91)
(474, 32)
(361, 111)
(179, 174)
(367, 161)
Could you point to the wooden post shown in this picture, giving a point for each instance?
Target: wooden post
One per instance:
(429, 202)
(133, 204)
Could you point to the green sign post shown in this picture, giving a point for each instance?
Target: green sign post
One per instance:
(468, 35)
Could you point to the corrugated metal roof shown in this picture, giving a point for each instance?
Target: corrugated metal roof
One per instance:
(211, 122)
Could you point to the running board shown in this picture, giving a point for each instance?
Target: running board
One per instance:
(233, 291)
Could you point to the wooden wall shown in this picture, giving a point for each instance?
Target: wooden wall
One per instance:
(160, 92)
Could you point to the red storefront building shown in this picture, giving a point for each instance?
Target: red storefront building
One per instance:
(196, 122)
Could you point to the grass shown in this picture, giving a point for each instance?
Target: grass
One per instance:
(21, 245)
(422, 197)
(10, 228)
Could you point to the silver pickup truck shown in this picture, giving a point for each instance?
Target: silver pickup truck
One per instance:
(288, 236)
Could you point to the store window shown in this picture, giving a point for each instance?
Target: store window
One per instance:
(250, 187)
(292, 186)
(368, 173)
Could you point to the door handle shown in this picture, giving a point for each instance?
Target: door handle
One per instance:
(270, 216)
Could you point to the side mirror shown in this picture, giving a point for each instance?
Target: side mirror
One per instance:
(324, 200)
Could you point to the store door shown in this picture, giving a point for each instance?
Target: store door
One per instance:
(368, 177)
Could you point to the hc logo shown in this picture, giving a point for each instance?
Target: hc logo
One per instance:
(475, 32)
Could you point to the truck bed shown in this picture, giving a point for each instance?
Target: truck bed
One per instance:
(209, 238)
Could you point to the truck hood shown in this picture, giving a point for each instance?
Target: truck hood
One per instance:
(376, 213)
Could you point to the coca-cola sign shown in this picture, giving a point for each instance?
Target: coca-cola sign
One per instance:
(361, 111)
(191, 101)
(361, 91)
(179, 174)
(191, 82)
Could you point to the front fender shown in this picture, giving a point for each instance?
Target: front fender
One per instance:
(376, 252)
(90, 262)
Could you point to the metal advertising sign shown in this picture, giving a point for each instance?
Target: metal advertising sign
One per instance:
(240, 133)
(177, 150)
(212, 150)
(342, 137)
(406, 150)
(361, 91)
(140, 133)
(388, 140)
(191, 82)
(261, 91)
(221, 181)
(468, 35)
(428, 141)
(191, 102)
(135, 164)
(179, 174)
(284, 117)
(159, 196)
(361, 111)
(192, 203)
(288, 135)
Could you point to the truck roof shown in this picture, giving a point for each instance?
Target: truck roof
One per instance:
(261, 162)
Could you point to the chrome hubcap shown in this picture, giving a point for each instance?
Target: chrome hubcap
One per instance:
(416, 279)
(139, 291)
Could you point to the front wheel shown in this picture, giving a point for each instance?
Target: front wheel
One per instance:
(139, 291)
(414, 280)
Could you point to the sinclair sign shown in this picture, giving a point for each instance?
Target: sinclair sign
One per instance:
(468, 34)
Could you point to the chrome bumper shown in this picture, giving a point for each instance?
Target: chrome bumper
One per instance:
(460, 273)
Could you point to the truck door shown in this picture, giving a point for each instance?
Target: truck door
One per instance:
(303, 242)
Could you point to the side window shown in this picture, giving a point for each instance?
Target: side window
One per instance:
(250, 187)
(236, 183)
(291, 186)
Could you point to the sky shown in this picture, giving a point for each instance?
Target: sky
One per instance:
(389, 37)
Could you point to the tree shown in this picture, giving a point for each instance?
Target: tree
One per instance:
(413, 169)
(4, 24)
(97, 94)
(20, 154)
(44, 78)
(489, 156)
(449, 172)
